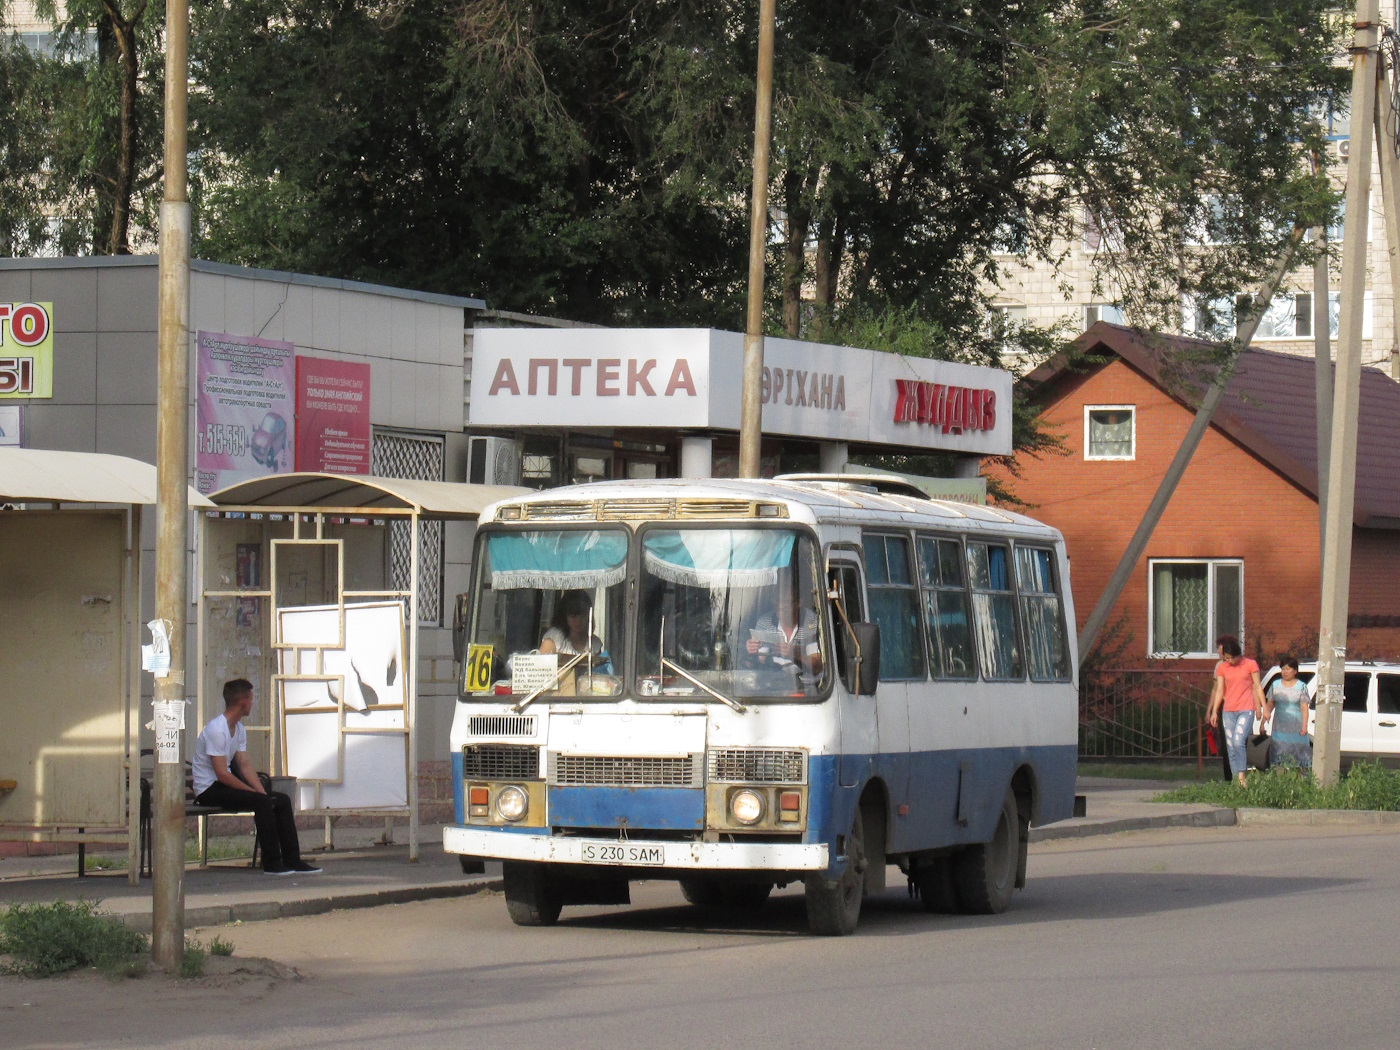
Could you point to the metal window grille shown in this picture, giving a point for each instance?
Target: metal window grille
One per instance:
(414, 458)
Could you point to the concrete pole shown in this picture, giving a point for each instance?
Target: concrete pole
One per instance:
(1244, 332)
(751, 403)
(1322, 379)
(172, 507)
(1346, 397)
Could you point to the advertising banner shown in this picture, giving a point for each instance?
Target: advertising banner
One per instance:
(333, 431)
(244, 421)
(26, 350)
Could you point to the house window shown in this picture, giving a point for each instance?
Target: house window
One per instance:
(1288, 317)
(1110, 312)
(1193, 602)
(1110, 431)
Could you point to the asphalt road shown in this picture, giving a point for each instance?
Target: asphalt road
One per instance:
(1176, 938)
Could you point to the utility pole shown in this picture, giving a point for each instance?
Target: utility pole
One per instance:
(1341, 471)
(172, 504)
(751, 400)
(1244, 332)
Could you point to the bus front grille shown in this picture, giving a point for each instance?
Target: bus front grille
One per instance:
(501, 725)
(757, 765)
(624, 771)
(500, 762)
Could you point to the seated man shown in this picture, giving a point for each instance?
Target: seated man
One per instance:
(789, 637)
(224, 777)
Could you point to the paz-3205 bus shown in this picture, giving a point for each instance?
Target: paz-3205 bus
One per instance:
(744, 684)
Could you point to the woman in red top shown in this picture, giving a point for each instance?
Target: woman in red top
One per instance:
(1237, 697)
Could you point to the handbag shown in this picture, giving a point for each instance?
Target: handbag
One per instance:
(1257, 751)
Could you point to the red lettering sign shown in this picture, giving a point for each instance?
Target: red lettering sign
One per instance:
(953, 409)
(332, 425)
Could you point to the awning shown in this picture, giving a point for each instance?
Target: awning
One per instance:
(43, 475)
(432, 499)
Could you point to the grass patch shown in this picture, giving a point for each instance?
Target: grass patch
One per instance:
(235, 849)
(1367, 785)
(46, 939)
(219, 946)
(192, 962)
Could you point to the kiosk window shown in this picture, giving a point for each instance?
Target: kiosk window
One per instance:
(945, 609)
(1042, 615)
(894, 606)
(994, 610)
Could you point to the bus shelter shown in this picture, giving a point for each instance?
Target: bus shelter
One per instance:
(309, 587)
(70, 610)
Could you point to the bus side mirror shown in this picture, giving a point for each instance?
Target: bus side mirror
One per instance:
(459, 629)
(863, 671)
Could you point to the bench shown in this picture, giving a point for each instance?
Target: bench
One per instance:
(203, 813)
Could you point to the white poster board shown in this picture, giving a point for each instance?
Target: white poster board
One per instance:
(345, 729)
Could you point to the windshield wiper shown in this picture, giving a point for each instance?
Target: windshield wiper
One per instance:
(695, 681)
(553, 681)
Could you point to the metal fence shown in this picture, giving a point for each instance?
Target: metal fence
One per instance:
(417, 458)
(1143, 713)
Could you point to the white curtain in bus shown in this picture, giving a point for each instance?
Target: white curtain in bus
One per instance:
(718, 557)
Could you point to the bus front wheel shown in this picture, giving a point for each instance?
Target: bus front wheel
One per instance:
(986, 873)
(833, 908)
(532, 894)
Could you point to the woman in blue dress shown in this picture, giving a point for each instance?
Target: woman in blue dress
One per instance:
(1287, 701)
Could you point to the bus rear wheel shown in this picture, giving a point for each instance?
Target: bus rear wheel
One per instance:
(833, 908)
(986, 873)
(717, 893)
(532, 894)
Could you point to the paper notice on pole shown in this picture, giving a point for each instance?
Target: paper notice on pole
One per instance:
(169, 720)
(531, 671)
(156, 656)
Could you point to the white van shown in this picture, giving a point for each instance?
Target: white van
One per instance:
(1370, 708)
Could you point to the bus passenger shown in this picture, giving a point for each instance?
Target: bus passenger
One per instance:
(788, 637)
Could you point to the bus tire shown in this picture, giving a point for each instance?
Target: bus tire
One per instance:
(937, 891)
(532, 896)
(715, 893)
(986, 873)
(833, 908)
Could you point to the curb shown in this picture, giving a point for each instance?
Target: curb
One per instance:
(1214, 818)
(1259, 817)
(259, 911)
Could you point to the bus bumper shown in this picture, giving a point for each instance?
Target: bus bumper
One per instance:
(692, 856)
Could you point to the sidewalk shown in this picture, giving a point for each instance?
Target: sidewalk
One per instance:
(360, 873)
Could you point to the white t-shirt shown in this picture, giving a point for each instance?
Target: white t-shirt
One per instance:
(215, 739)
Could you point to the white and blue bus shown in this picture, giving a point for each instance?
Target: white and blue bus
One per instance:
(743, 684)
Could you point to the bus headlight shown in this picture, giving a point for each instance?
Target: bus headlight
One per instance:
(746, 806)
(512, 803)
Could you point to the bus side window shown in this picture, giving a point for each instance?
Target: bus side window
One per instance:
(845, 577)
(994, 610)
(894, 606)
(1041, 614)
(945, 609)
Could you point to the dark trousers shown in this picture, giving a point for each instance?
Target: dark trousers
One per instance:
(272, 813)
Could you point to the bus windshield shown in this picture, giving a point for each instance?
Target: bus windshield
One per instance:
(734, 609)
(549, 596)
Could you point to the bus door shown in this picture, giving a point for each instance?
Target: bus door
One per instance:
(856, 714)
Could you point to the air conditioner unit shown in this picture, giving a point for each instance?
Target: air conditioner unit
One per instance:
(493, 461)
(1339, 149)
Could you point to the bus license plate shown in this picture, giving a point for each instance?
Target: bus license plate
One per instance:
(622, 853)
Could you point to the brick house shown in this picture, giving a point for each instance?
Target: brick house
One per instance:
(1237, 549)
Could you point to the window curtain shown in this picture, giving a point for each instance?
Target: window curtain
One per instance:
(557, 560)
(718, 557)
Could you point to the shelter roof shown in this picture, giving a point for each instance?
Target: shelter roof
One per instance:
(432, 499)
(45, 475)
(1269, 407)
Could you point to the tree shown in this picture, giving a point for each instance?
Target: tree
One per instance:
(89, 111)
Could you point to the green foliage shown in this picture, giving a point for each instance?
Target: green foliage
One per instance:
(221, 947)
(1366, 786)
(192, 959)
(47, 939)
